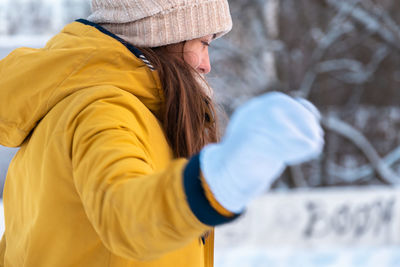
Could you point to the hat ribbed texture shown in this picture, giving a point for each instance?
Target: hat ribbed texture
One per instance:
(152, 23)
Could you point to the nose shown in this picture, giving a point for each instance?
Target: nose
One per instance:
(205, 66)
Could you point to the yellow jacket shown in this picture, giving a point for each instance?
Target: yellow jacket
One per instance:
(95, 182)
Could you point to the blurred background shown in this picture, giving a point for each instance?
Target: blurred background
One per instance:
(342, 55)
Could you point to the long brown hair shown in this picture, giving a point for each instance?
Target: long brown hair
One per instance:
(189, 118)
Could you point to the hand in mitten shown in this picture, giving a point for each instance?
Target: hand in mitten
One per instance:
(264, 136)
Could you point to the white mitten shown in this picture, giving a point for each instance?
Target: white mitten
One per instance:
(264, 136)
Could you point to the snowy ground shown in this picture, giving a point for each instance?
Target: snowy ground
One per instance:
(334, 257)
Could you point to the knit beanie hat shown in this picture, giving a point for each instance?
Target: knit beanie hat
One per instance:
(152, 23)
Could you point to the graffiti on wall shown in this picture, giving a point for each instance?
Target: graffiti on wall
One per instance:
(319, 218)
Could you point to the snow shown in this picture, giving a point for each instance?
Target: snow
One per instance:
(333, 227)
(333, 257)
(6, 154)
(1, 218)
(8, 43)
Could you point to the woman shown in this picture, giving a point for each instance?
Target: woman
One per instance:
(112, 119)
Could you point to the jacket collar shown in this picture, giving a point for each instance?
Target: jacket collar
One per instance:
(130, 47)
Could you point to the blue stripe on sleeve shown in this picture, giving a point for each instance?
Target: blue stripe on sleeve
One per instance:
(196, 197)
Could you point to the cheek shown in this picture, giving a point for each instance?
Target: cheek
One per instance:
(192, 59)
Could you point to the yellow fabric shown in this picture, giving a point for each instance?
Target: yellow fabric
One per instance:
(94, 182)
(209, 249)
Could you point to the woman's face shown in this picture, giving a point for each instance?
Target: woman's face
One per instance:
(195, 53)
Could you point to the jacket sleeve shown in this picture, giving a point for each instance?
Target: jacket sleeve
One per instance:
(138, 212)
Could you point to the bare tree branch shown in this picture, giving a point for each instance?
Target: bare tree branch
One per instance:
(359, 73)
(387, 20)
(338, 126)
(297, 176)
(361, 173)
(367, 20)
(340, 64)
(336, 29)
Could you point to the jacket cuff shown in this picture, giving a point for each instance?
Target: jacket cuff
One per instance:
(196, 196)
(213, 201)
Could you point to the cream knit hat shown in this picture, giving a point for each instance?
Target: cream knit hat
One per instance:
(152, 23)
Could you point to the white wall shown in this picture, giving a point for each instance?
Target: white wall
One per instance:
(337, 227)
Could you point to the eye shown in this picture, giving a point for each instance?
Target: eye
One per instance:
(205, 43)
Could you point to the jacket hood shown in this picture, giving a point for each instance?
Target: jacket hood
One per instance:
(83, 55)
